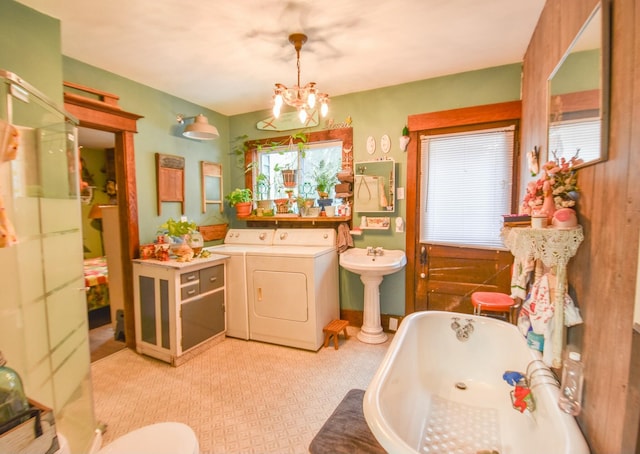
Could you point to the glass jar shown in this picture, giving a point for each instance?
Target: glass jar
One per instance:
(196, 242)
(13, 401)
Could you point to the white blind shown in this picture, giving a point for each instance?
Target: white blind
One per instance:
(466, 186)
(566, 137)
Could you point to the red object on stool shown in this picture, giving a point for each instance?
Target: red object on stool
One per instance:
(495, 302)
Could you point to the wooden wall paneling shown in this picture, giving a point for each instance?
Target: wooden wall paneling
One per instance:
(602, 275)
(631, 428)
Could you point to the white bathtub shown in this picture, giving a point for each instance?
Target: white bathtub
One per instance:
(414, 402)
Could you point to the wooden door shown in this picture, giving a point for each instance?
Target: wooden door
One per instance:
(446, 276)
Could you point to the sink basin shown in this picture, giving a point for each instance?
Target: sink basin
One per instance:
(372, 269)
(357, 261)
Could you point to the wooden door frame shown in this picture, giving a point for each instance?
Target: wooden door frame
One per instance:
(103, 113)
(416, 124)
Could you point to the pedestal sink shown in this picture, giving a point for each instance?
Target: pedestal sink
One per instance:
(372, 269)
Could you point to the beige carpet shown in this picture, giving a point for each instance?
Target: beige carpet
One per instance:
(238, 396)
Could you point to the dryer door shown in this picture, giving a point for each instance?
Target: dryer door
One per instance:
(280, 295)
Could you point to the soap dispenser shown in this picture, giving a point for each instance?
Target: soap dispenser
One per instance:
(13, 401)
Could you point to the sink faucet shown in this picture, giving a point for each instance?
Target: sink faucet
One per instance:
(375, 251)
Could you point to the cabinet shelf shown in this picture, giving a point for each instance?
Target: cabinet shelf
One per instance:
(297, 219)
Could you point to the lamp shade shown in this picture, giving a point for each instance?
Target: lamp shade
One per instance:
(95, 212)
(201, 129)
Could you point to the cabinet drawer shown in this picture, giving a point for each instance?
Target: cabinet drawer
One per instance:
(189, 291)
(211, 278)
(185, 278)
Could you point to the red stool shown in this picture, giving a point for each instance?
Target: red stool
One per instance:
(500, 303)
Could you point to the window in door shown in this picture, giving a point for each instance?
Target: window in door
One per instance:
(466, 186)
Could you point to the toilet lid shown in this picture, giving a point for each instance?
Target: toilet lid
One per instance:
(161, 438)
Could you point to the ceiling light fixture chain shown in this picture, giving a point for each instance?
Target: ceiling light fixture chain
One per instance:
(304, 99)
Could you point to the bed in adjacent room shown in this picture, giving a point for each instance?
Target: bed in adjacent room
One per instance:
(96, 279)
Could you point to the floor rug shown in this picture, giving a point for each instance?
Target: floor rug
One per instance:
(346, 431)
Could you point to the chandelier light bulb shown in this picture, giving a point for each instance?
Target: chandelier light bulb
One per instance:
(278, 100)
(324, 109)
(302, 114)
(311, 100)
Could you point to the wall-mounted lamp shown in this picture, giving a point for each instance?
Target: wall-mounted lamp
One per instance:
(200, 128)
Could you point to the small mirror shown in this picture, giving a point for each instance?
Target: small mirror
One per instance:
(211, 184)
(579, 95)
(373, 186)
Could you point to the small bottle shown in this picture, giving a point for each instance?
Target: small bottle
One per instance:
(571, 385)
(13, 401)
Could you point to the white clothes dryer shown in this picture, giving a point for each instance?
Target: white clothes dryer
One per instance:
(237, 243)
(293, 288)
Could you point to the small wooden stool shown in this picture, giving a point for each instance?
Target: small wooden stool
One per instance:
(333, 329)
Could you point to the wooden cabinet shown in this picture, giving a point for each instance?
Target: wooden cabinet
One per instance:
(179, 306)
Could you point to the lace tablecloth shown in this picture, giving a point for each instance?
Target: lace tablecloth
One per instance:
(554, 248)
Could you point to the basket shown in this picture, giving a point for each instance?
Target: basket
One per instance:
(213, 232)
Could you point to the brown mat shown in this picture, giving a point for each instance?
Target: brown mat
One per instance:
(346, 431)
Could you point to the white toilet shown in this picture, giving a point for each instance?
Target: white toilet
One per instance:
(161, 438)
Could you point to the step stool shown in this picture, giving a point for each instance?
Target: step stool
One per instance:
(333, 329)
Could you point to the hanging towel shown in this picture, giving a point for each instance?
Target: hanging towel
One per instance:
(382, 192)
(9, 142)
(538, 310)
(522, 268)
(344, 240)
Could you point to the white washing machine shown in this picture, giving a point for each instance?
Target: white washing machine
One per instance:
(293, 288)
(237, 243)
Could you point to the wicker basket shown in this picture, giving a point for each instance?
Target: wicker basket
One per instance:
(213, 232)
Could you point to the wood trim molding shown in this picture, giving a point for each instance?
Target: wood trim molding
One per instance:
(466, 116)
(123, 124)
(343, 134)
(355, 318)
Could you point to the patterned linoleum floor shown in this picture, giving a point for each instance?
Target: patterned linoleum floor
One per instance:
(238, 396)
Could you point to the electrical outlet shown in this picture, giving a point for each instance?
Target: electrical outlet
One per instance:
(393, 324)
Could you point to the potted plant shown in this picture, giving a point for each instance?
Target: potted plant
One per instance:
(180, 235)
(325, 178)
(178, 229)
(241, 199)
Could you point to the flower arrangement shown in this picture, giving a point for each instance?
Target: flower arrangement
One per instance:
(558, 187)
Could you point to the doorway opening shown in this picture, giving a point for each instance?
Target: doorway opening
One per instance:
(99, 111)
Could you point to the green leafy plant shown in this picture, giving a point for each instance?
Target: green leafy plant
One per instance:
(239, 195)
(325, 177)
(178, 228)
(240, 145)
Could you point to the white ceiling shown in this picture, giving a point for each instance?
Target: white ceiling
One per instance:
(226, 55)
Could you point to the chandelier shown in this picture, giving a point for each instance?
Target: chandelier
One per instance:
(304, 99)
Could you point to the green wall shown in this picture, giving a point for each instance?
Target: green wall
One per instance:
(158, 132)
(94, 162)
(30, 47)
(385, 111)
(373, 112)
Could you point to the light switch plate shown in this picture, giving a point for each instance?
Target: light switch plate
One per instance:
(400, 193)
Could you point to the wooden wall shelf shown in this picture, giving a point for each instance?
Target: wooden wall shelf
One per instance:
(295, 221)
